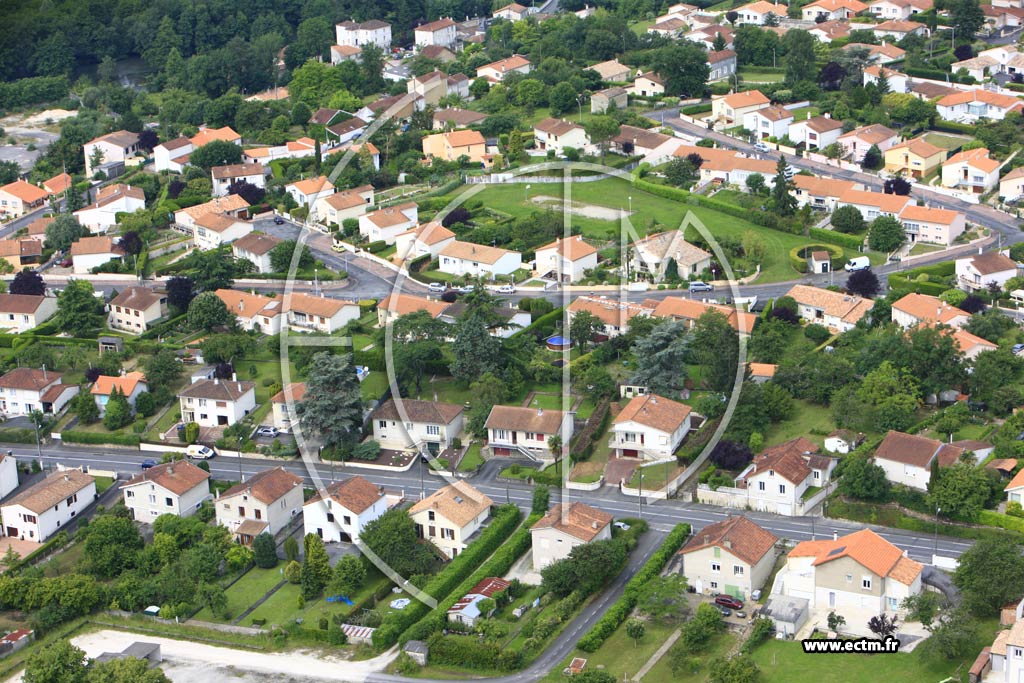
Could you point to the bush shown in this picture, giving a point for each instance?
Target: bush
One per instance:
(818, 334)
(192, 432)
(993, 518)
(846, 241)
(798, 255)
(617, 613)
(376, 247)
(100, 439)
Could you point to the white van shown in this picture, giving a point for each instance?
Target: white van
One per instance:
(200, 452)
(857, 263)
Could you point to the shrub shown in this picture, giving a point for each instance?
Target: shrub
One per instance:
(100, 438)
(818, 334)
(293, 573)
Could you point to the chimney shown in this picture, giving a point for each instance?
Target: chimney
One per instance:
(540, 411)
(835, 535)
(234, 376)
(241, 305)
(828, 115)
(170, 468)
(216, 380)
(593, 525)
(727, 543)
(707, 539)
(67, 478)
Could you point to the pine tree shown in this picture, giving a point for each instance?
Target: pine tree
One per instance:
(316, 567)
(118, 411)
(783, 202)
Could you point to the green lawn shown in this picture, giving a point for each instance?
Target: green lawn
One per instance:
(283, 606)
(922, 248)
(586, 409)
(640, 27)
(655, 476)
(103, 483)
(374, 385)
(549, 401)
(945, 141)
(785, 661)
(472, 459)
(807, 419)
(719, 646)
(619, 655)
(648, 209)
(246, 591)
(761, 75)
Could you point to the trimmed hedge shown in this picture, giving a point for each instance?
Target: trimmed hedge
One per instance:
(498, 565)
(17, 435)
(843, 240)
(544, 326)
(993, 518)
(376, 247)
(799, 262)
(762, 218)
(34, 90)
(696, 109)
(98, 438)
(952, 127)
(163, 328)
(617, 613)
(506, 519)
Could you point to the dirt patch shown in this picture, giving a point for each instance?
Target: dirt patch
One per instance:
(602, 213)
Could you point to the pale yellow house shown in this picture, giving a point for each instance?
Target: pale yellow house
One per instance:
(459, 143)
(916, 158)
(449, 516)
(731, 109)
(564, 527)
(734, 556)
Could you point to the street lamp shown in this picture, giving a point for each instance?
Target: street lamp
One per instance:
(935, 550)
(526, 193)
(640, 499)
(630, 204)
(239, 459)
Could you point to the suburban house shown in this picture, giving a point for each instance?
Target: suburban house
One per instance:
(387, 223)
(135, 309)
(223, 176)
(565, 260)
(615, 97)
(835, 310)
(110, 151)
(214, 229)
(477, 260)
(721, 65)
(373, 32)
(21, 252)
(58, 184)
(23, 312)
(886, 53)
(916, 309)
(450, 516)
(111, 200)
(438, 53)
(307, 192)
(527, 431)
(266, 502)
(19, 198)
(394, 306)
(898, 30)
(8, 475)
(842, 441)
(456, 144)
(255, 248)
(1011, 186)
(408, 423)
(564, 527)
(1003, 662)
(632, 140)
(816, 133)
(768, 122)
(689, 311)
(429, 238)
(732, 110)
(434, 86)
(231, 205)
(90, 252)
(971, 105)
(649, 84)
(898, 9)
(897, 80)
(756, 13)
(971, 345)
(651, 427)
(819, 192)
(24, 391)
(916, 158)
(253, 311)
(873, 204)
(907, 458)
(496, 71)
(344, 53)
(558, 134)
(973, 170)
(613, 71)
(130, 384)
(507, 320)
(282, 412)
(652, 254)
(335, 208)
(930, 224)
(859, 571)
(734, 557)
(350, 505)
(307, 313)
(466, 609)
(858, 141)
(831, 10)
(172, 155)
(762, 372)
(442, 32)
(1015, 489)
(175, 488)
(670, 28)
(613, 313)
(827, 31)
(216, 402)
(42, 509)
(454, 117)
(346, 131)
(513, 12)
(206, 135)
(706, 36)
(980, 271)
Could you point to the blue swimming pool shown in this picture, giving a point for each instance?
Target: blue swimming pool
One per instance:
(557, 343)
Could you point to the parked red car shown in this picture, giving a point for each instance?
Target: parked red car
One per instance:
(728, 601)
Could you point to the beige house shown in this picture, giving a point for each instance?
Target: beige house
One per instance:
(527, 431)
(916, 158)
(734, 557)
(931, 224)
(566, 260)
(308, 313)
(89, 252)
(21, 252)
(651, 427)
(231, 205)
(612, 71)
(284, 418)
(731, 109)
(1011, 186)
(650, 256)
(450, 516)
(394, 306)
(23, 312)
(408, 423)
(451, 146)
(860, 571)
(119, 146)
(174, 488)
(564, 527)
(973, 170)
(496, 71)
(615, 97)
(214, 229)
(264, 503)
(835, 310)
(648, 84)
(217, 403)
(19, 198)
(135, 309)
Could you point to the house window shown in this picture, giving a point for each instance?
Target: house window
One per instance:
(152, 498)
(849, 578)
(737, 570)
(865, 583)
(1018, 652)
(168, 502)
(448, 534)
(129, 494)
(346, 520)
(760, 486)
(330, 517)
(716, 567)
(258, 513)
(383, 424)
(430, 515)
(817, 474)
(782, 488)
(433, 430)
(714, 585)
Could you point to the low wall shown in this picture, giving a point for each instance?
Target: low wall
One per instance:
(727, 496)
(582, 486)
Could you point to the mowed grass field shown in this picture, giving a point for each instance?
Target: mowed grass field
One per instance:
(650, 214)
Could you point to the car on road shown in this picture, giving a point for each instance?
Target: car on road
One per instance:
(467, 289)
(278, 220)
(149, 462)
(728, 601)
(507, 289)
(268, 432)
(741, 614)
(699, 286)
(622, 525)
(725, 612)
(437, 287)
(761, 147)
(1018, 349)
(857, 263)
(200, 452)
(66, 263)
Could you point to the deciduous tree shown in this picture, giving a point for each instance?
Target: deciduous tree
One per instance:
(78, 310)
(886, 234)
(28, 282)
(209, 312)
(63, 232)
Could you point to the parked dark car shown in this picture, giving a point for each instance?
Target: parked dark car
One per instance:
(149, 462)
(728, 601)
(278, 220)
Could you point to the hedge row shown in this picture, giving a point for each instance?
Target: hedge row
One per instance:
(498, 565)
(33, 90)
(993, 518)
(17, 435)
(582, 447)
(952, 127)
(506, 519)
(696, 109)
(100, 438)
(798, 255)
(618, 612)
(376, 247)
(846, 241)
(762, 218)
(899, 282)
(163, 328)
